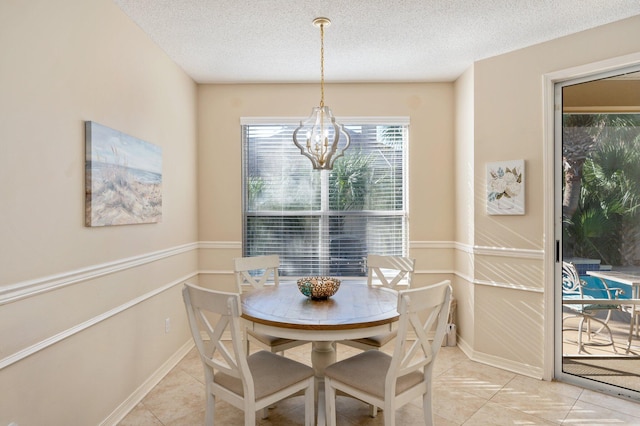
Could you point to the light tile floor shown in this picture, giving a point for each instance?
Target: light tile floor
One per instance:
(464, 393)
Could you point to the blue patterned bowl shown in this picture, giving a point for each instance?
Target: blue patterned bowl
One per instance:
(318, 288)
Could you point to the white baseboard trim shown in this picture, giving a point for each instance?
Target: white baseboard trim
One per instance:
(498, 362)
(138, 395)
(464, 347)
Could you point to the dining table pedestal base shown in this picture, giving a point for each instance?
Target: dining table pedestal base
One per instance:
(323, 354)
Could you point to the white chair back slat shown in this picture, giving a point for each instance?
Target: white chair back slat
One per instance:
(432, 302)
(389, 271)
(571, 282)
(225, 306)
(256, 271)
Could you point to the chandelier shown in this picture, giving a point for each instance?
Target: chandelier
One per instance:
(321, 139)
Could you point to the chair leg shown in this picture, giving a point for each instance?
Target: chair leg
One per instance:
(613, 344)
(633, 319)
(580, 326)
(564, 328)
(330, 403)
(603, 326)
(209, 413)
(374, 410)
(309, 405)
(389, 417)
(249, 416)
(427, 408)
(606, 320)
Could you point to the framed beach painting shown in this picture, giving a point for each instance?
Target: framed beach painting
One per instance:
(123, 178)
(505, 188)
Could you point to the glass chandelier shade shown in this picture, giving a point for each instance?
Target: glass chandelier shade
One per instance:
(319, 136)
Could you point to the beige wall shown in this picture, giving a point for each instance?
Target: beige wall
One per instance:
(509, 258)
(429, 106)
(82, 310)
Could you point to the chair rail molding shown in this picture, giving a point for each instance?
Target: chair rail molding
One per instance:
(509, 252)
(487, 251)
(432, 244)
(14, 292)
(480, 250)
(220, 245)
(52, 340)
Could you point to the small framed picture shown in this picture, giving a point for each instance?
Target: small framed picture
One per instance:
(505, 188)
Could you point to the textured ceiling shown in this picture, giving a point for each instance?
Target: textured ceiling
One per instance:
(258, 41)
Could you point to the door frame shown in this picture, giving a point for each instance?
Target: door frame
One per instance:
(552, 171)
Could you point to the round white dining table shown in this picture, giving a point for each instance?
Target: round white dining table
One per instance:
(356, 311)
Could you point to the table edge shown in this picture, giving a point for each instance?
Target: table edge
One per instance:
(615, 277)
(322, 327)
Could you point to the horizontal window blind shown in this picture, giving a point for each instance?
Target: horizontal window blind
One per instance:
(324, 222)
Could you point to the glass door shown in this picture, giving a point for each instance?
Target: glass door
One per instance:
(600, 241)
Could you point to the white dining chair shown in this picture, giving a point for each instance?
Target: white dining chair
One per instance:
(391, 381)
(389, 272)
(255, 272)
(250, 383)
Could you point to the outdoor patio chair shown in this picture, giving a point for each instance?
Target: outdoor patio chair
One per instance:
(573, 288)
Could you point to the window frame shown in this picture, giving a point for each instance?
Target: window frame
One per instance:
(325, 212)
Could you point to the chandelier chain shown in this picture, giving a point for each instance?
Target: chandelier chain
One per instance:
(321, 65)
(321, 143)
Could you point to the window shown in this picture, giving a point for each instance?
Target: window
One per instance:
(325, 222)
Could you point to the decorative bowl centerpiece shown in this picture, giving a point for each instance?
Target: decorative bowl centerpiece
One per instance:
(318, 288)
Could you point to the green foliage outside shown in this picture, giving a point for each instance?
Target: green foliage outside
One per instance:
(349, 182)
(606, 222)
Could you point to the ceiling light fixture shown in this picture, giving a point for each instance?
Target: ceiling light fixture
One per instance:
(321, 132)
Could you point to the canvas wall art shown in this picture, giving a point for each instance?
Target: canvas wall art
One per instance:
(505, 188)
(123, 178)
